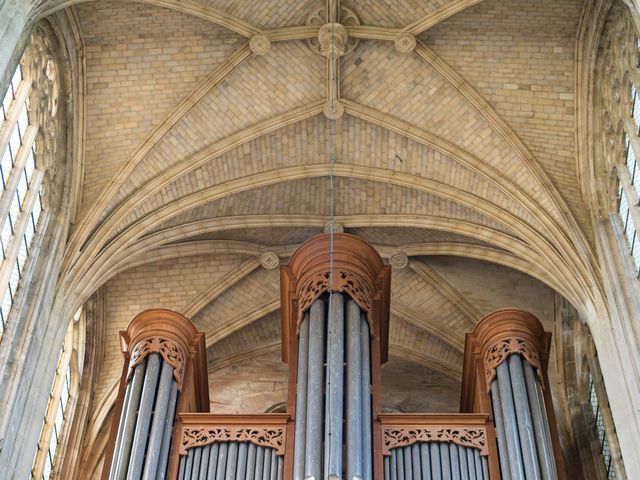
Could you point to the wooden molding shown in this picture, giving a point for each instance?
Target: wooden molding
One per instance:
(266, 430)
(468, 430)
(358, 271)
(494, 338)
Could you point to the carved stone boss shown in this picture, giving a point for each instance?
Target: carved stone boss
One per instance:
(171, 352)
(268, 436)
(472, 437)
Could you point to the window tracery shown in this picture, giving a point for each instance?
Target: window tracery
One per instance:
(21, 197)
(618, 99)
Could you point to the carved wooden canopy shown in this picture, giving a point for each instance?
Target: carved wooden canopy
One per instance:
(173, 337)
(494, 338)
(358, 271)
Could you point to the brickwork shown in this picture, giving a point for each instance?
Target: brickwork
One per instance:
(259, 334)
(424, 301)
(235, 306)
(141, 60)
(249, 386)
(249, 95)
(404, 236)
(402, 14)
(490, 287)
(524, 65)
(352, 197)
(265, 15)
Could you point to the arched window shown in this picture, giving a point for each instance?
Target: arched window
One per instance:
(628, 191)
(21, 197)
(598, 420)
(61, 402)
(54, 419)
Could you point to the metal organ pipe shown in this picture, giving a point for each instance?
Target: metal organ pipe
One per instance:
(266, 465)
(445, 461)
(455, 462)
(274, 465)
(540, 423)
(334, 388)
(367, 444)
(241, 471)
(425, 461)
(301, 400)
(354, 391)
(259, 463)
(121, 425)
(122, 452)
(523, 415)
(232, 461)
(509, 419)
(500, 430)
(159, 419)
(204, 463)
(415, 461)
(471, 466)
(314, 424)
(251, 460)
(213, 460)
(521, 422)
(139, 445)
(144, 431)
(197, 458)
(222, 460)
(166, 435)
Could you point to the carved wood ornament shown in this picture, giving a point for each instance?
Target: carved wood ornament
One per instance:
(472, 437)
(358, 271)
(171, 352)
(500, 350)
(262, 436)
(343, 281)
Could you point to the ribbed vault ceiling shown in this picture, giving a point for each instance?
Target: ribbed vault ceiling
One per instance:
(200, 150)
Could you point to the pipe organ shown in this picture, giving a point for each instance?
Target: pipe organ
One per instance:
(335, 295)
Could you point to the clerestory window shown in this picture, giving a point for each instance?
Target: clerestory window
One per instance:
(601, 431)
(55, 418)
(20, 195)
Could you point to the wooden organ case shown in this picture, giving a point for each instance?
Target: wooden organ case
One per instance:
(335, 296)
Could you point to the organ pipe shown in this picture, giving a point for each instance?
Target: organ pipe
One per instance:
(365, 397)
(301, 400)
(354, 385)
(335, 355)
(314, 396)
